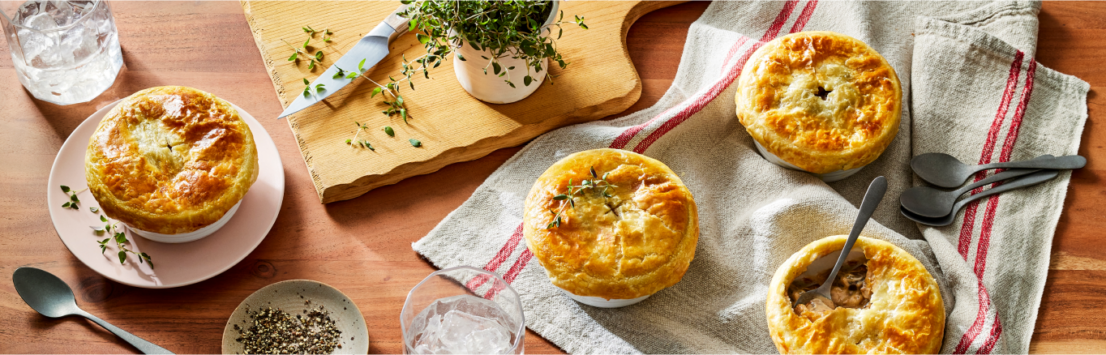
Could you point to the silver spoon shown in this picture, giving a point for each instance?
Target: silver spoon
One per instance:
(871, 199)
(930, 202)
(945, 171)
(1031, 179)
(51, 297)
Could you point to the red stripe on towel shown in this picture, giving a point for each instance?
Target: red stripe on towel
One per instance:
(988, 222)
(697, 104)
(800, 23)
(777, 24)
(498, 259)
(968, 225)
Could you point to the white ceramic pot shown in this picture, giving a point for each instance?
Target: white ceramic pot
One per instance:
(492, 88)
(190, 236)
(603, 302)
(827, 177)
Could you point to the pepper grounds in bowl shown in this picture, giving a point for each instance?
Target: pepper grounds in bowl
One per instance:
(274, 331)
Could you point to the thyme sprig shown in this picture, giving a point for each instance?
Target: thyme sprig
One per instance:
(73, 200)
(595, 184)
(353, 142)
(120, 237)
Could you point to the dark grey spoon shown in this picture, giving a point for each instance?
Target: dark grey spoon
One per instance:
(876, 189)
(51, 297)
(930, 202)
(945, 171)
(1031, 179)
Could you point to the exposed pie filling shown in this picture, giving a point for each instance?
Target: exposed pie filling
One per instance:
(850, 289)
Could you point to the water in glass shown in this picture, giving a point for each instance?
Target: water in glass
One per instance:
(65, 52)
(462, 325)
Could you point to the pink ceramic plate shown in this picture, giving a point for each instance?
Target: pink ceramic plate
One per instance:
(174, 264)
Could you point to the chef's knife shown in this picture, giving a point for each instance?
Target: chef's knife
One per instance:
(371, 48)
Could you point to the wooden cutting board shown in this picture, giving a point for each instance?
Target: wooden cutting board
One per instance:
(452, 126)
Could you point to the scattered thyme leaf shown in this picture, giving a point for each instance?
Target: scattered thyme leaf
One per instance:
(415, 142)
(388, 130)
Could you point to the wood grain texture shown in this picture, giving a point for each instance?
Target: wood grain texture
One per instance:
(452, 125)
(363, 246)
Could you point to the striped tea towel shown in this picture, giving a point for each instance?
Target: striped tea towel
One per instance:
(972, 89)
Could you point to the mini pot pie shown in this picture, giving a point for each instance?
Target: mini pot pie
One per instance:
(821, 102)
(610, 224)
(170, 160)
(886, 302)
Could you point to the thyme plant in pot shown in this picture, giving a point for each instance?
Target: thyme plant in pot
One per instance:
(501, 49)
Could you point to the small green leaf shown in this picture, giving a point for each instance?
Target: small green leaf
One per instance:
(64, 188)
(103, 248)
(593, 174)
(496, 68)
(404, 113)
(120, 238)
(423, 38)
(415, 142)
(93, 209)
(311, 66)
(361, 66)
(305, 82)
(527, 80)
(375, 91)
(351, 75)
(307, 91)
(103, 219)
(389, 131)
(319, 56)
(96, 229)
(122, 256)
(66, 205)
(74, 198)
(305, 43)
(348, 141)
(459, 56)
(560, 197)
(293, 57)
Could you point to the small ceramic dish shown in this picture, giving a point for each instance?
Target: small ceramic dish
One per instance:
(603, 302)
(190, 236)
(292, 296)
(827, 177)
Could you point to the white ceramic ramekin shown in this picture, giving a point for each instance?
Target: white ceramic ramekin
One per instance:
(190, 236)
(827, 177)
(603, 302)
(492, 88)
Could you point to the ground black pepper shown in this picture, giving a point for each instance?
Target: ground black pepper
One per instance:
(274, 331)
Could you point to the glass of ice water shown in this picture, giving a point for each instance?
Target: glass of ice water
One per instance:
(443, 316)
(65, 51)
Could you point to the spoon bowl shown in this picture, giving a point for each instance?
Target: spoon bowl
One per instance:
(45, 293)
(1032, 179)
(946, 171)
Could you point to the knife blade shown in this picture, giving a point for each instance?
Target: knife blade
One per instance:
(372, 49)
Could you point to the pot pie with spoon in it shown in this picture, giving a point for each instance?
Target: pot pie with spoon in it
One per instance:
(611, 224)
(821, 101)
(886, 303)
(170, 160)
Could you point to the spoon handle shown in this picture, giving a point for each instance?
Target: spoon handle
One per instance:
(1067, 162)
(1032, 179)
(141, 344)
(868, 206)
(1009, 174)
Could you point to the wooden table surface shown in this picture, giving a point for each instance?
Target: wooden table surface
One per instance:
(363, 246)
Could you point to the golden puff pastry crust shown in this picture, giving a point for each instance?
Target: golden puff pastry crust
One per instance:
(170, 160)
(821, 101)
(637, 241)
(904, 315)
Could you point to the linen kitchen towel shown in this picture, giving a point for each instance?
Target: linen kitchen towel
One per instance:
(971, 89)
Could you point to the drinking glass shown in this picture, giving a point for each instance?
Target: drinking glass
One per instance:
(441, 316)
(64, 51)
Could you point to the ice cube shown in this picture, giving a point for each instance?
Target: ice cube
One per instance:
(462, 325)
